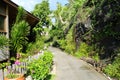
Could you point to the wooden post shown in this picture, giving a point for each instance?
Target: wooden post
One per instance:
(3, 73)
(7, 22)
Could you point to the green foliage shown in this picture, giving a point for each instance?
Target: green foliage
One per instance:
(19, 32)
(96, 57)
(62, 43)
(106, 23)
(83, 51)
(70, 45)
(36, 46)
(42, 11)
(4, 41)
(79, 11)
(12, 76)
(102, 31)
(56, 33)
(47, 58)
(78, 3)
(70, 49)
(4, 64)
(4, 45)
(19, 35)
(71, 13)
(62, 19)
(113, 69)
(66, 44)
(87, 51)
(21, 14)
(40, 68)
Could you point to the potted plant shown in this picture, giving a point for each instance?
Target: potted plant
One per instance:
(13, 74)
(14, 77)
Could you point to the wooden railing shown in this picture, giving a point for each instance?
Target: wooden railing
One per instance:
(22, 68)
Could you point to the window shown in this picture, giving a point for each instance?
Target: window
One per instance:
(2, 16)
(2, 19)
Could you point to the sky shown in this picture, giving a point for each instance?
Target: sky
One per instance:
(29, 4)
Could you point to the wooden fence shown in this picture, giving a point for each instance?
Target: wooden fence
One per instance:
(22, 68)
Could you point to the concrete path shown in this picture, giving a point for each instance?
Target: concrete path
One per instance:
(71, 68)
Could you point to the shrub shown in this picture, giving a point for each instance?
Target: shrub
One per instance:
(83, 51)
(67, 45)
(47, 58)
(3, 41)
(62, 39)
(4, 47)
(113, 69)
(70, 45)
(70, 48)
(40, 68)
(33, 48)
(62, 43)
(87, 51)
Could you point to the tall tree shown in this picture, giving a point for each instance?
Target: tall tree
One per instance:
(42, 11)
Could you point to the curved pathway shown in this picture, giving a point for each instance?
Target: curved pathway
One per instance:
(71, 68)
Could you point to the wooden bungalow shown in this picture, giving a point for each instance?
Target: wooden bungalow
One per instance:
(8, 13)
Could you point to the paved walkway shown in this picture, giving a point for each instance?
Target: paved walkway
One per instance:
(71, 68)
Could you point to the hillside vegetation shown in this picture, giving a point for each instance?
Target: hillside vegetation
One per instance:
(90, 29)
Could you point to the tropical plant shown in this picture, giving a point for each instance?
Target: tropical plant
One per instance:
(39, 68)
(13, 74)
(19, 32)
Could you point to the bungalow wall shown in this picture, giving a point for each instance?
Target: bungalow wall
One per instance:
(4, 19)
(4, 24)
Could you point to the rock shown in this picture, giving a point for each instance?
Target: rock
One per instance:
(28, 78)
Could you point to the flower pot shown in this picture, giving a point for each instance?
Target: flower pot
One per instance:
(21, 77)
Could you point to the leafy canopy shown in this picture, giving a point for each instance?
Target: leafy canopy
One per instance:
(42, 11)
